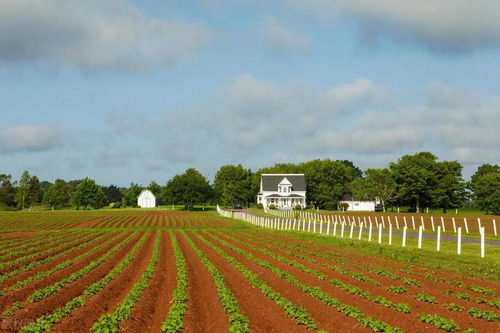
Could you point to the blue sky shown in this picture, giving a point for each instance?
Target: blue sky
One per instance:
(134, 91)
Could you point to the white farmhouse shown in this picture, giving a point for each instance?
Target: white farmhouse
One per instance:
(285, 191)
(146, 199)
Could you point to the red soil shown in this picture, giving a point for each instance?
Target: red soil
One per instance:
(24, 275)
(151, 310)
(88, 223)
(392, 317)
(23, 293)
(265, 315)
(110, 297)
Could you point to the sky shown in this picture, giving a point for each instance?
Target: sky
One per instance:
(134, 91)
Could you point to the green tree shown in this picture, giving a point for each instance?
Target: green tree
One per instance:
(233, 184)
(132, 194)
(327, 180)
(486, 188)
(189, 188)
(487, 191)
(450, 187)
(155, 188)
(89, 194)
(7, 191)
(35, 194)
(356, 172)
(113, 193)
(416, 178)
(378, 183)
(481, 171)
(22, 189)
(57, 195)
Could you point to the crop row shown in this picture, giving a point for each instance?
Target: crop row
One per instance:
(237, 321)
(111, 322)
(348, 310)
(402, 307)
(85, 241)
(46, 322)
(61, 266)
(174, 322)
(13, 262)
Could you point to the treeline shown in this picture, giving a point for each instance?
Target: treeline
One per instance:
(414, 181)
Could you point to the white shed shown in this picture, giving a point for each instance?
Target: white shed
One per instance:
(146, 199)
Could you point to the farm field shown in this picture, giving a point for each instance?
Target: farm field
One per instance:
(171, 271)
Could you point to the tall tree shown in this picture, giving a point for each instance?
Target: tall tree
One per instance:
(89, 194)
(132, 194)
(356, 172)
(233, 184)
(57, 195)
(486, 188)
(189, 188)
(481, 171)
(113, 193)
(327, 180)
(7, 191)
(416, 178)
(34, 196)
(378, 183)
(22, 189)
(450, 188)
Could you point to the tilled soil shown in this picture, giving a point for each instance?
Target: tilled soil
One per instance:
(326, 317)
(392, 317)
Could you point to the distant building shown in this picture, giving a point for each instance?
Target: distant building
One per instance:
(285, 191)
(359, 205)
(146, 199)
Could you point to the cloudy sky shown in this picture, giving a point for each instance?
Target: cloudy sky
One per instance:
(133, 91)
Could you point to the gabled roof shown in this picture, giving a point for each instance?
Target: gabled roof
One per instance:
(285, 182)
(270, 181)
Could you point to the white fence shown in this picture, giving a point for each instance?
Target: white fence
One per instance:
(411, 222)
(339, 225)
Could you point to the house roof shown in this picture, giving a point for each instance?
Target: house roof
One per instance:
(270, 181)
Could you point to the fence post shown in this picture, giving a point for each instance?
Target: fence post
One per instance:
(466, 225)
(420, 237)
(442, 224)
(404, 220)
(360, 231)
(352, 229)
(432, 223)
(335, 229)
(321, 227)
(479, 224)
(422, 222)
(459, 241)
(454, 225)
(380, 233)
(342, 230)
(383, 222)
(397, 223)
(438, 238)
(413, 222)
(481, 231)
(404, 235)
(314, 226)
(309, 226)
(390, 233)
(494, 227)
(370, 233)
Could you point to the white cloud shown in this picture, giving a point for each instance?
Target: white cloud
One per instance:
(444, 24)
(281, 39)
(31, 138)
(94, 34)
